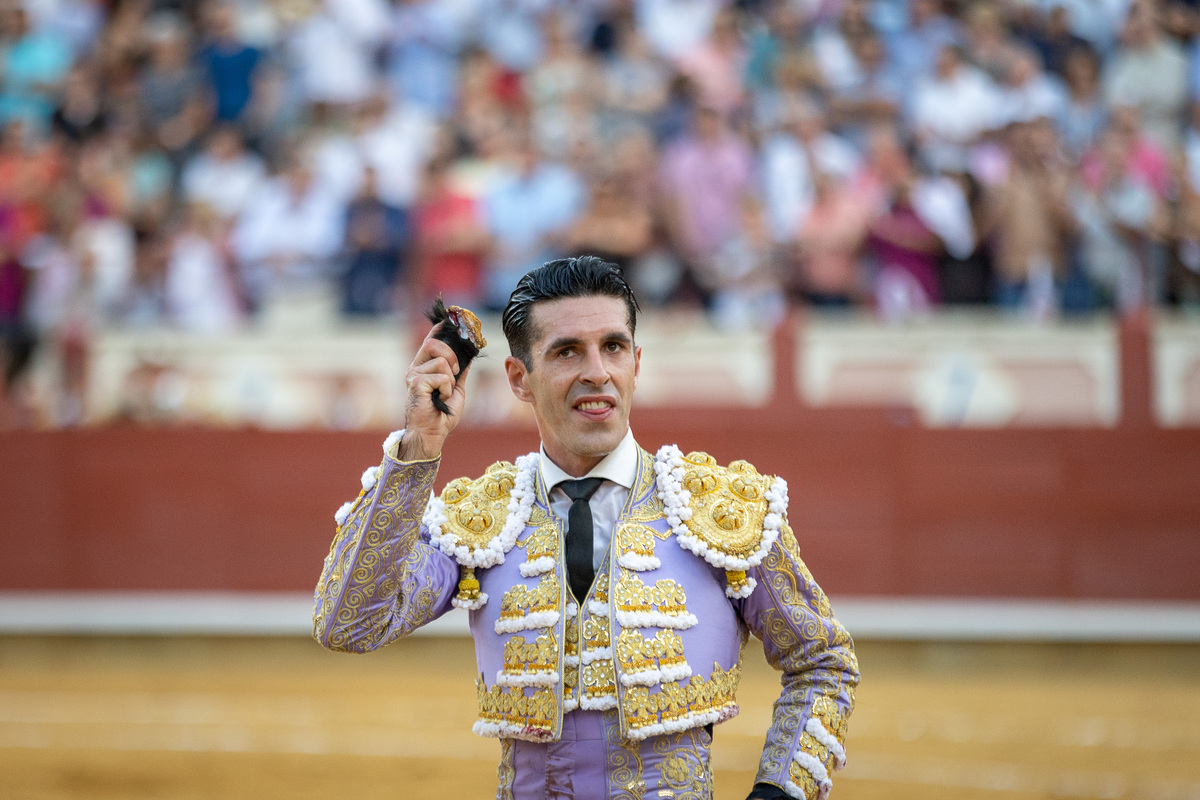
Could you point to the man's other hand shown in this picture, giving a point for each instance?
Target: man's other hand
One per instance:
(434, 367)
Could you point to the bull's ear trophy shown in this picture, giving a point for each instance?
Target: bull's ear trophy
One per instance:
(462, 331)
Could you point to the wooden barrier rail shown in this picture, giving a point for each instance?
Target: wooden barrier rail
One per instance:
(881, 507)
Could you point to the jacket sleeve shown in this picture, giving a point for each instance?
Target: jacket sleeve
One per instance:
(382, 579)
(791, 615)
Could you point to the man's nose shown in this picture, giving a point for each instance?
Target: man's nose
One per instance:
(594, 371)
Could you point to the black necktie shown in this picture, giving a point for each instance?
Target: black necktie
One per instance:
(579, 534)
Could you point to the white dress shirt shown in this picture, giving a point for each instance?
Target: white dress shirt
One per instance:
(619, 470)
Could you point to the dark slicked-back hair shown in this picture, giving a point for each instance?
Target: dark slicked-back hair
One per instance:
(583, 276)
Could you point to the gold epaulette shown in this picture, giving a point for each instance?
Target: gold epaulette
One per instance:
(735, 516)
(476, 509)
(475, 521)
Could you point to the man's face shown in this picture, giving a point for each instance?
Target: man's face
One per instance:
(584, 369)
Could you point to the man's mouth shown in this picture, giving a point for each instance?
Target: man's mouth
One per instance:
(595, 409)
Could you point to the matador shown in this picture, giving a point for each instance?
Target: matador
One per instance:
(610, 590)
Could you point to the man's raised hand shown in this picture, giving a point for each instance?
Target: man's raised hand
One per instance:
(425, 428)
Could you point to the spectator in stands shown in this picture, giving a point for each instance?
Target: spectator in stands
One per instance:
(526, 214)
(1029, 222)
(81, 114)
(1054, 41)
(563, 95)
(225, 175)
(990, 45)
(1083, 113)
(876, 98)
(717, 65)
(423, 51)
(16, 336)
(1116, 216)
(172, 106)
(450, 239)
(1028, 93)
(375, 260)
(708, 179)
(1145, 159)
(674, 27)
(288, 232)
(835, 46)
(902, 246)
(614, 226)
(1184, 278)
(952, 109)
(828, 245)
(333, 51)
(788, 160)
(1149, 73)
(232, 66)
(200, 291)
(914, 49)
(33, 66)
(635, 84)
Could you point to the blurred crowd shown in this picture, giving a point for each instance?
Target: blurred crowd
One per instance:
(190, 163)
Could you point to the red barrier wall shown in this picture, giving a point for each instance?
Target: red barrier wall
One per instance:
(879, 507)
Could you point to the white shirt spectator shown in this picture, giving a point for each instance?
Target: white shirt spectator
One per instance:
(676, 27)
(397, 148)
(224, 185)
(941, 204)
(199, 297)
(334, 50)
(948, 113)
(788, 181)
(288, 233)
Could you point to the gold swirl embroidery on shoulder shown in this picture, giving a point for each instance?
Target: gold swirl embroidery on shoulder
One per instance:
(728, 504)
(476, 509)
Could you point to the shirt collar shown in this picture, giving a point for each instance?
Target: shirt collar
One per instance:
(620, 466)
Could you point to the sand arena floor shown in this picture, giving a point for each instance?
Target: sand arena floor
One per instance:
(184, 718)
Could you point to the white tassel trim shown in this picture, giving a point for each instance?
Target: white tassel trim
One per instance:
(745, 591)
(818, 731)
(645, 677)
(499, 730)
(598, 703)
(343, 513)
(539, 566)
(653, 677)
(596, 654)
(638, 562)
(572, 610)
(570, 704)
(815, 768)
(435, 513)
(391, 441)
(369, 476)
(570, 661)
(471, 605)
(795, 791)
(524, 679)
(529, 622)
(597, 609)
(668, 466)
(520, 504)
(656, 619)
(684, 723)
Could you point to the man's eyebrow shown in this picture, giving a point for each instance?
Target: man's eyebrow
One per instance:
(575, 341)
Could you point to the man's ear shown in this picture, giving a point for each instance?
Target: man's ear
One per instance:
(518, 375)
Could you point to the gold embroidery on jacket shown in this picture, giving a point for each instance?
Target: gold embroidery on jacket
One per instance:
(728, 504)
(520, 600)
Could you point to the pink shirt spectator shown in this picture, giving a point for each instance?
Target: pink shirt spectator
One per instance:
(707, 177)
